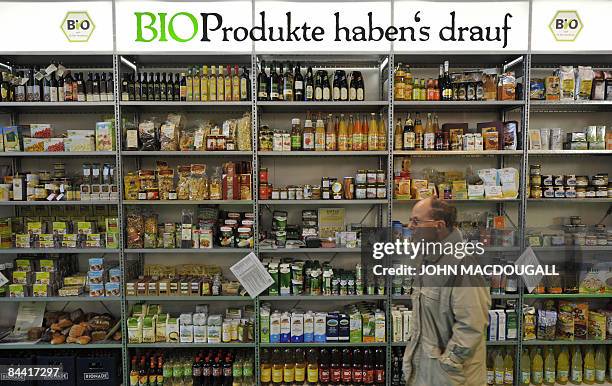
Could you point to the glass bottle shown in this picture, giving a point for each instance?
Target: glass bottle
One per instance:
(289, 367)
(263, 84)
(372, 133)
(296, 135)
(204, 92)
(309, 85)
(212, 85)
(236, 81)
(309, 136)
(288, 84)
(319, 135)
(220, 84)
(563, 366)
(343, 134)
(537, 368)
(313, 367)
(576, 374)
(189, 80)
(227, 84)
(330, 134)
(550, 367)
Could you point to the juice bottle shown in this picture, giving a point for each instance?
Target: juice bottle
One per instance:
(343, 144)
(600, 365)
(498, 368)
(537, 368)
(525, 368)
(134, 373)
(356, 134)
(373, 133)
(563, 367)
(429, 137)
(550, 367)
(330, 134)
(589, 366)
(576, 370)
(365, 130)
(319, 135)
(265, 367)
(300, 366)
(418, 133)
(398, 135)
(508, 369)
(382, 133)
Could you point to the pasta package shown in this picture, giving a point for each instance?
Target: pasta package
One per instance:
(243, 139)
(568, 83)
(168, 137)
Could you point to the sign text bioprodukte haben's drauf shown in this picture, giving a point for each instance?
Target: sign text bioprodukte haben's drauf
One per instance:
(183, 27)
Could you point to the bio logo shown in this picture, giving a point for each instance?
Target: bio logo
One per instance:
(77, 26)
(565, 26)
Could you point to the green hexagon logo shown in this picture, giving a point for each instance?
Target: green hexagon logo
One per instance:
(78, 26)
(565, 26)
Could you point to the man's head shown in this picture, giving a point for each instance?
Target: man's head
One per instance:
(432, 219)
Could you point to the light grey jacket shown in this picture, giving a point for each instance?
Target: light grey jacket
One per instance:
(447, 346)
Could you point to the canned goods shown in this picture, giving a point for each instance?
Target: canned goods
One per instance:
(536, 192)
(535, 169)
(263, 175)
(349, 188)
(307, 190)
(381, 191)
(336, 190)
(361, 177)
(380, 176)
(371, 191)
(360, 191)
(371, 177)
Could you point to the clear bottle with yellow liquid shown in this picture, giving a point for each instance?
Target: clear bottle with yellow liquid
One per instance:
(343, 144)
(204, 95)
(373, 133)
(319, 135)
(576, 369)
(490, 367)
(265, 367)
(277, 366)
(189, 80)
(525, 368)
(289, 367)
(220, 84)
(350, 127)
(300, 366)
(498, 368)
(382, 132)
(550, 367)
(589, 366)
(508, 368)
(563, 365)
(212, 84)
(356, 134)
(600, 365)
(196, 85)
(537, 368)
(398, 134)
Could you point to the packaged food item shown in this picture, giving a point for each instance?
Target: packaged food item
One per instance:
(105, 136)
(529, 323)
(168, 137)
(565, 325)
(182, 186)
(584, 82)
(547, 322)
(535, 139)
(198, 183)
(568, 83)
(597, 326)
(510, 135)
(598, 90)
(244, 133)
(506, 86)
(165, 179)
(147, 135)
(553, 89)
(537, 91)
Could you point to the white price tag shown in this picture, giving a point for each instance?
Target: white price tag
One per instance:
(60, 70)
(3, 279)
(528, 258)
(252, 274)
(39, 75)
(50, 69)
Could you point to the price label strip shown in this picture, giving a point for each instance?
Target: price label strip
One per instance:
(17, 373)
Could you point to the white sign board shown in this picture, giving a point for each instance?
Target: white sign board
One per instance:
(462, 26)
(56, 26)
(183, 26)
(569, 25)
(324, 26)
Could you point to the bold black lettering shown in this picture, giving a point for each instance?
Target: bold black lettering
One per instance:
(205, 30)
(338, 28)
(451, 28)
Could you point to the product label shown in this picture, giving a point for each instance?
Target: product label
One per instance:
(318, 93)
(563, 375)
(589, 375)
(359, 94)
(343, 94)
(300, 374)
(490, 377)
(277, 375)
(525, 378)
(309, 141)
(336, 93)
(313, 375)
(353, 93)
(576, 375)
(299, 85)
(499, 377)
(288, 375)
(600, 376)
(266, 375)
(309, 92)
(326, 93)
(508, 378)
(409, 140)
(549, 376)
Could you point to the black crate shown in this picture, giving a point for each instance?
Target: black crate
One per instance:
(99, 371)
(17, 360)
(68, 367)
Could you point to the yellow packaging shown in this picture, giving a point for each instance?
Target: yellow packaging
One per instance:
(417, 187)
(597, 326)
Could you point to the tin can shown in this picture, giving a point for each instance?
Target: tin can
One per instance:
(307, 189)
(380, 176)
(349, 188)
(361, 177)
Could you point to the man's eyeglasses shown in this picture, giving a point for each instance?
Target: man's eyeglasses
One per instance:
(416, 222)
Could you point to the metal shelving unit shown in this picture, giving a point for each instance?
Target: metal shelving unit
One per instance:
(323, 202)
(187, 202)
(326, 344)
(309, 250)
(65, 299)
(58, 154)
(194, 153)
(63, 346)
(32, 251)
(317, 298)
(369, 153)
(188, 250)
(58, 203)
(153, 298)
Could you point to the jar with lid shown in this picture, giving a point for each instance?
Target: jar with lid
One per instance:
(371, 191)
(399, 85)
(360, 191)
(361, 177)
(535, 169)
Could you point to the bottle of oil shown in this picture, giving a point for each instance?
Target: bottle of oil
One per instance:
(300, 367)
(508, 368)
(589, 366)
(289, 367)
(265, 367)
(550, 367)
(563, 365)
(537, 368)
(313, 367)
(525, 368)
(418, 132)
(490, 369)
(600, 365)
(277, 366)
(498, 368)
(576, 370)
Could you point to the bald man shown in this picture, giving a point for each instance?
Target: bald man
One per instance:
(447, 346)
